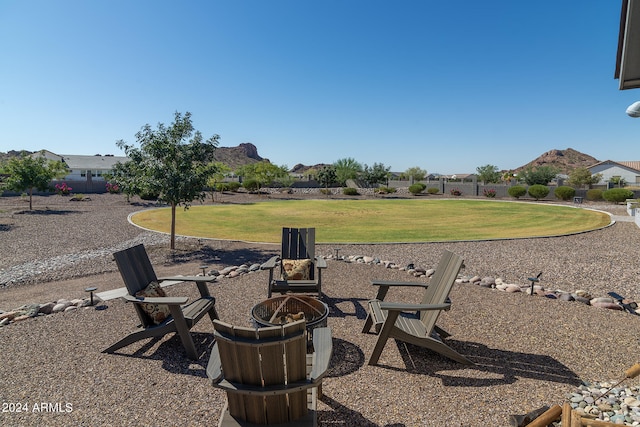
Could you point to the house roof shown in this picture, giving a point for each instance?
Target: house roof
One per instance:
(633, 165)
(73, 161)
(92, 162)
(628, 54)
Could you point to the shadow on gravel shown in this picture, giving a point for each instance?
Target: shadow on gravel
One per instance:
(5, 227)
(494, 366)
(346, 358)
(47, 212)
(342, 415)
(227, 257)
(172, 354)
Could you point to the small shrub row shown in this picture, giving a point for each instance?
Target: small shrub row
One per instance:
(349, 191)
(417, 188)
(564, 192)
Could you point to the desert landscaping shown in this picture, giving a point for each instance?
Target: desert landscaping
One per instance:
(529, 351)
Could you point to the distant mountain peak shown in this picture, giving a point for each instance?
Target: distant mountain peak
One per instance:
(564, 160)
(241, 155)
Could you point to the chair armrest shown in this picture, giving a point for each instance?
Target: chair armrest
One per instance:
(270, 264)
(157, 300)
(214, 367)
(393, 306)
(320, 262)
(393, 283)
(323, 348)
(189, 278)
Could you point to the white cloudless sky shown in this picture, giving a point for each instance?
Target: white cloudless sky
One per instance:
(443, 85)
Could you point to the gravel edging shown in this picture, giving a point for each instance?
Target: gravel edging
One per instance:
(528, 351)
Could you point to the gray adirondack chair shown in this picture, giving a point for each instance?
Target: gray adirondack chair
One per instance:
(264, 373)
(391, 320)
(137, 273)
(297, 244)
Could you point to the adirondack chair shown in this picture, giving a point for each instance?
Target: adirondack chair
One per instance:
(391, 320)
(264, 373)
(159, 314)
(297, 251)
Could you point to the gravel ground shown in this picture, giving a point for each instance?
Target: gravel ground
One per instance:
(529, 351)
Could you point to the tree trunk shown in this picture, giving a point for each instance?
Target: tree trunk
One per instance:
(31, 199)
(173, 226)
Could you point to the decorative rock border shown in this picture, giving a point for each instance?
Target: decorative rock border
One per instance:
(34, 310)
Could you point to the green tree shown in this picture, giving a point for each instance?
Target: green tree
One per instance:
(217, 177)
(488, 174)
(542, 175)
(327, 176)
(32, 171)
(376, 174)
(263, 172)
(414, 174)
(347, 168)
(582, 176)
(173, 162)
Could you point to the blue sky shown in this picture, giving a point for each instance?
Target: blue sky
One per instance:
(443, 85)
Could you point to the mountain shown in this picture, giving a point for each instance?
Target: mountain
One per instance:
(241, 155)
(563, 160)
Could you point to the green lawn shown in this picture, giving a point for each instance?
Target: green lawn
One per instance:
(369, 221)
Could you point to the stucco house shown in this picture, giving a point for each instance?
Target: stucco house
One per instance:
(629, 171)
(86, 173)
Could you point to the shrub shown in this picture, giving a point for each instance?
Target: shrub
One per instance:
(455, 192)
(349, 191)
(251, 185)
(517, 191)
(538, 191)
(432, 190)
(112, 188)
(234, 186)
(594, 194)
(325, 191)
(564, 192)
(386, 190)
(222, 186)
(489, 192)
(617, 195)
(63, 189)
(149, 196)
(416, 188)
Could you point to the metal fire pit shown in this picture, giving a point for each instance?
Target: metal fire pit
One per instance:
(280, 310)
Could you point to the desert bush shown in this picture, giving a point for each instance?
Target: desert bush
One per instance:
(538, 191)
(489, 192)
(234, 186)
(222, 186)
(564, 192)
(432, 190)
(594, 194)
(386, 190)
(617, 195)
(416, 188)
(325, 191)
(517, 191)
(251, 185)
(349, 191)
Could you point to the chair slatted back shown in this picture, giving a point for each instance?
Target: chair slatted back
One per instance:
(137, 272)
(439, 286)
(263, 357)
(299, 243)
